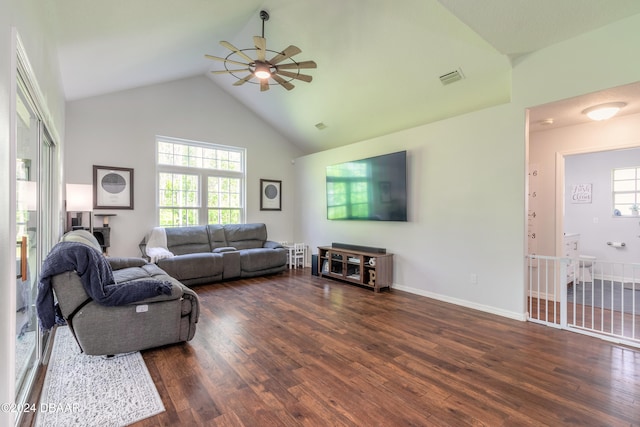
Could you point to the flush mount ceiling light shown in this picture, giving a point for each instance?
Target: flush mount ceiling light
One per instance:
(280, 69)
(604, 111)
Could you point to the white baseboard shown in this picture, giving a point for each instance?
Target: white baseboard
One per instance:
(463, 303)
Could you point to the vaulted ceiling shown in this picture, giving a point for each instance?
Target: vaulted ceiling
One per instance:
(379, 62)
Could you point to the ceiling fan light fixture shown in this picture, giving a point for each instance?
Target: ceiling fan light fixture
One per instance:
(278, 69)
(262, 71)
(604, 111)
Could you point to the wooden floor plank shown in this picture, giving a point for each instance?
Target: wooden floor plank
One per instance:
(294, 349)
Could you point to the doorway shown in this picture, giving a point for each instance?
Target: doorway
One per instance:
(560, 135)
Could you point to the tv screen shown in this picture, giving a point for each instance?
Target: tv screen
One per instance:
(368, 189)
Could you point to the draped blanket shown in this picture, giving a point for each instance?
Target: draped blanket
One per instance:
(96, 277)
(157, 245)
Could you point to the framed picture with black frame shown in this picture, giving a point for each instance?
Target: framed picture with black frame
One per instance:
(270, 195)
(112, 187)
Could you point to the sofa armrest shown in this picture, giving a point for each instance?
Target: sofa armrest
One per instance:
(270, 244)
(120, 263)
(177, 291)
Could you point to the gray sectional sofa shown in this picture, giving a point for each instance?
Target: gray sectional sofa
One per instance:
(211, 253)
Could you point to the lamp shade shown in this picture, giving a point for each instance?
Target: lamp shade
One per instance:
(79, 198)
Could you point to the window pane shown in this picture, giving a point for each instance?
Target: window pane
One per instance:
(178, 190)
(223, 192)
(224, 216)
(627, 173)
(624, 185)
(178, 217)
(199, 157)
(624, 198)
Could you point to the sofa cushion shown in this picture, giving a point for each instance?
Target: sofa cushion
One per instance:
(82, 236)
(192, 266)
(188, 240)
(231, 261)
(217, 238)
(131, 274)
(262, 259)
(126, 262)
(245, 236)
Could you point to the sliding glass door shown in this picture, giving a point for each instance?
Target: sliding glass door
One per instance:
(27, 231)
(34, 181)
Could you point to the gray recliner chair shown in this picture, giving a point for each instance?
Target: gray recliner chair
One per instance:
(109, 330)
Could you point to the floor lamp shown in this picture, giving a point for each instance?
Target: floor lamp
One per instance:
(79, 200)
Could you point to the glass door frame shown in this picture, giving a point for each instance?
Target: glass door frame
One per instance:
(46, 173)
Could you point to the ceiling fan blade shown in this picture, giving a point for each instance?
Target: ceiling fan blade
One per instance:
(287, 53)
(230, 61)
(282, 82)
(303, 77)
(261, 46)
(264, 85)
(244, 80)
(236, 50)
(230, 71)
(293, 65)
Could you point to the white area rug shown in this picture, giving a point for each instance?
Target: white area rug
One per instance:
(25, 346)
(81, 390)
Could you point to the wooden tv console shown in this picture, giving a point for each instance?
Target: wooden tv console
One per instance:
(373, 270)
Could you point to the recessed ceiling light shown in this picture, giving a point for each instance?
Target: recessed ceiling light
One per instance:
(603, 111)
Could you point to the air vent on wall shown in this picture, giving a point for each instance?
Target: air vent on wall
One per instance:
(451, 77)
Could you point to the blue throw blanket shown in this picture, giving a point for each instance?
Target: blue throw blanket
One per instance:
(96, 277)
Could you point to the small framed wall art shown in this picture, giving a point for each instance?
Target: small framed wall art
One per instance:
(581, 193)
(270, 195)
(112, 187)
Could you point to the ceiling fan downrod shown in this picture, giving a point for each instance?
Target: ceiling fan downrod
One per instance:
(264, 15)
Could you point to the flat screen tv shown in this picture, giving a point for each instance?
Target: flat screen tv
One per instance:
(368, 189)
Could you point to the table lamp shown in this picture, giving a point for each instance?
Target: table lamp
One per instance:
(79, 200)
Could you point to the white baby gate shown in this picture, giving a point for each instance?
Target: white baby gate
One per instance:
(598, 298)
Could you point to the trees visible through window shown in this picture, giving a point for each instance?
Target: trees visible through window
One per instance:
(199, 183)
(626, 191)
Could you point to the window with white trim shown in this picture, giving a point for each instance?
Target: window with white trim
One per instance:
(626, 191)
(199, 183)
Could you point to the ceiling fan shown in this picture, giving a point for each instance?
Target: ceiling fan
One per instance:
(281, 68)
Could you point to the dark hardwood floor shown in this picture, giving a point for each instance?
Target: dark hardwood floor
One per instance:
(598, 320)
(293, 349)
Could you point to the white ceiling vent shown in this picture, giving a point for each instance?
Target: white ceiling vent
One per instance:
(452, 77)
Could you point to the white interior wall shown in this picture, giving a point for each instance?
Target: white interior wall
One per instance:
(595, 221)
(120, 129)
(25, 18)
(467, 180)
(457, 199)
